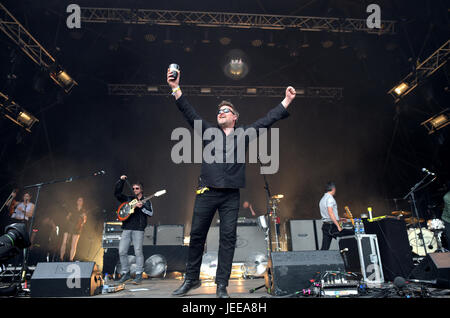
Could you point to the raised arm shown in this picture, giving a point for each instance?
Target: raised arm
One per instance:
(119, 188)
(277, 113)
(183, 104)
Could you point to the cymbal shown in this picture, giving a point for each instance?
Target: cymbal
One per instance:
(414, 220)
(400, 213)
(277, 196)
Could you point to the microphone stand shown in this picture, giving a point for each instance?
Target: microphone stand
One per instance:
(413, 200)
(24, 269)
(269, 231)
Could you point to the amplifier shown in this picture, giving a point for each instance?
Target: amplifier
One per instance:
(112, 227)
(149, 235)
(361, 254)
(170, 234)
(111, 240)
(302, 235)
(249, 239)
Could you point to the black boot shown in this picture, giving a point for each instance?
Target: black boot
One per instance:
(187, 285)
(221, 291)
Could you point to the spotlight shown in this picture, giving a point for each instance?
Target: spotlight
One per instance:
(206, 39)
(205, 90)
(149, 37)
(152, 89)
(271, 42)
(14, 239)
(155, 265)
(167, 39)
(438, 121)
(327, 44)
(401, 88)
(225, 40)
(236, 65)
(209, 264)
(16, 114)
(61, 78)
(257, 42)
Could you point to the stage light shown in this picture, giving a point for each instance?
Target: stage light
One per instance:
(205, 90)
(327, 44)
(257, 42)
(209, 264)
(149, 37)
(155, 265)
(251, 90)
(438, 121)
(236, 64)
(401, 88)
(206, 39)
(271, 42)
(63, 79)
(152, 89)
(167, 39)
(16, 113)
(225, 40)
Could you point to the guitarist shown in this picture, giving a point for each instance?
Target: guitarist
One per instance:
(329, 213)
(133, 230)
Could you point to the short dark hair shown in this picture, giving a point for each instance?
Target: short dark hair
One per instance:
(140, 184)
(330, 186)
(228, 103)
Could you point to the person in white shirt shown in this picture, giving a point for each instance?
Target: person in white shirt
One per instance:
(330, 217)
(23, 211)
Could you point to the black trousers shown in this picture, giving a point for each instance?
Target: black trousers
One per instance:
(226, 201)
(329, 232)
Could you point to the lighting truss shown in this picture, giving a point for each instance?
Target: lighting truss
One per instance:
(16, 113)
(232, 20)
(23, 39)
(32, 48)
(224, 91)
(425, 69)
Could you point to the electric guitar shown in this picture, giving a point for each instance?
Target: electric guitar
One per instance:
(349, 214)
(125, 210)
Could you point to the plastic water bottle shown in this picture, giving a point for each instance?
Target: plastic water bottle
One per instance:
(105, 284)
(361, 227)
(356, 226)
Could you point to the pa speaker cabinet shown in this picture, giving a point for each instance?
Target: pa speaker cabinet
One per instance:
(249, 239)
(170, 234)
(149, 235)
(434, 267)
(302, 235)
(66, 279)
(334, 243)
(292, 271)
(361, 254)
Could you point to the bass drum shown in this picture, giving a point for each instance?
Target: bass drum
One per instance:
(416, 242)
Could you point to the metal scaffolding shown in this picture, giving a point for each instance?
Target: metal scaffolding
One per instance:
(224, 91)
(23, 39)
(14, 112)
(232, 20)
(425, 69)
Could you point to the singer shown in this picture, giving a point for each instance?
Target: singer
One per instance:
(71, 227)
(219, 185)
(23, 211)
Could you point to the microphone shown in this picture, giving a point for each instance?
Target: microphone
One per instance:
(428, 171)
(399, 282)
(100, 173)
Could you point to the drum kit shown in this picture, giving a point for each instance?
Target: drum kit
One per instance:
(423, 240)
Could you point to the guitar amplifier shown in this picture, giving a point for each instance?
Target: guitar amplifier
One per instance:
(112, 227)
(169, 234)
(111, 240)
(149, 235)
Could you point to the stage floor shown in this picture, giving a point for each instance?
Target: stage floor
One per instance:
(163, 288)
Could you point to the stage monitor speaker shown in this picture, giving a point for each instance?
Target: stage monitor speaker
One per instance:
(249, 239)
(434, 267)
(292, 271)
(302, 235)
(149, 235)
(170, 234)
(66, 279)
(334, 243)
(395, 251)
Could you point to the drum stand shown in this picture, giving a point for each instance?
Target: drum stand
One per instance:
(413, 200)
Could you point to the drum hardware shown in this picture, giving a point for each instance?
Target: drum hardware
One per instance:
(400, 213)
(418, 237)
